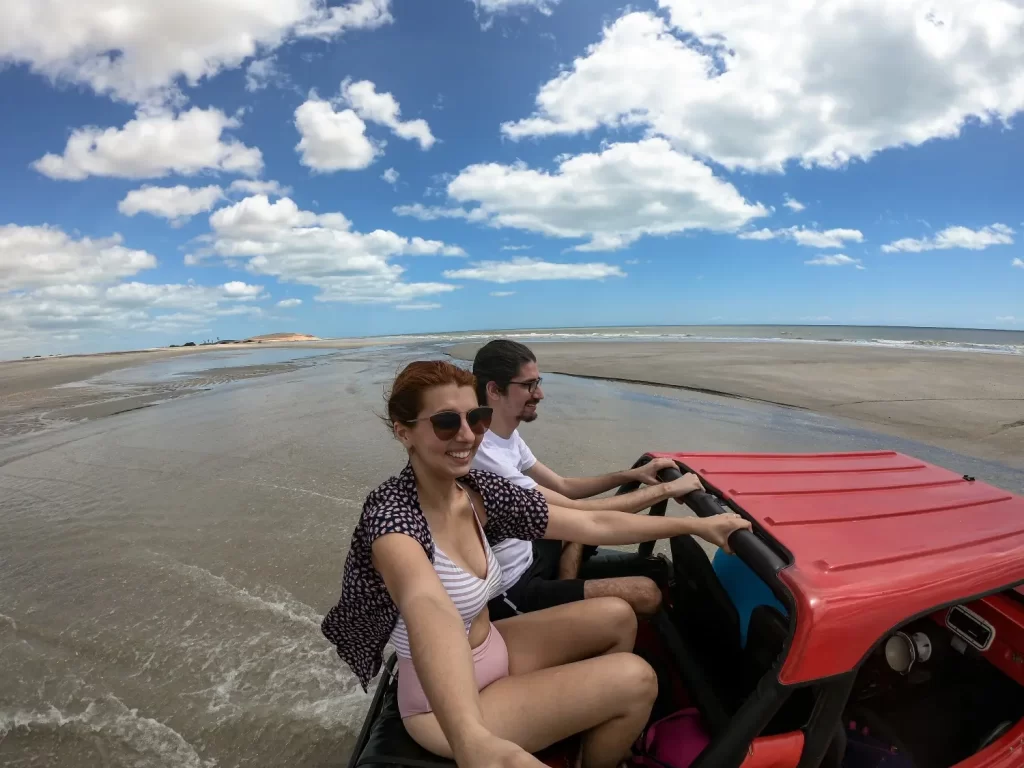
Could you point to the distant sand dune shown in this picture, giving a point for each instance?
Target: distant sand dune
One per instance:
(284, 337)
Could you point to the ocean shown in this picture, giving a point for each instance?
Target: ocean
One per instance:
(954, 339)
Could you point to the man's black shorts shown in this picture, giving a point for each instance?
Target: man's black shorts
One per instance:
(540, 586)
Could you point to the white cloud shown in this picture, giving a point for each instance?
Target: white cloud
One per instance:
(834, 260)
(333, 141)
(524, 268)
(758, 234)
(382, 108)
(261, 73)
(142, 51)
(756, 86)
(32, 257)
(794, 205)
(812, 238)
(955, 237)
(515, 247)
(259, 187)
(390, 176)
(612, 198)
(78, 308)
(1017, 263)
(418, 306)
(319, 250)
(433, 212)
(506, 6)
(1007, 319)
(177, 204)
(154, 145)
(502, 294)
(289, 303)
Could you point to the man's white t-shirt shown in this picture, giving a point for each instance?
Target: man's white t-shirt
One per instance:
(509, 459)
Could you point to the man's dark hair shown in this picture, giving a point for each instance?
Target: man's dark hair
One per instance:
(499, 361)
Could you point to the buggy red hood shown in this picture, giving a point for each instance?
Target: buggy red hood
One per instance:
(873, 540)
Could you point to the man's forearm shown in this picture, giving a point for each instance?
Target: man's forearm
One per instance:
(444, 665)
(633, 502)
(584, 487)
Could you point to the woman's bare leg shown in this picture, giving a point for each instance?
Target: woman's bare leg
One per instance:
(570, 672)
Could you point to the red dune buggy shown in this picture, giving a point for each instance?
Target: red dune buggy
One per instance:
(874, 618)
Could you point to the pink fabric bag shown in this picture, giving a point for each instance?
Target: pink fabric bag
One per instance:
(672, 742)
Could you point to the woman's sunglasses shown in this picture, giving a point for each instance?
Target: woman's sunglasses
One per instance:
(447, 424)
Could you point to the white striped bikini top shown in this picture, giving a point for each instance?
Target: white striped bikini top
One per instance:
(468, 591)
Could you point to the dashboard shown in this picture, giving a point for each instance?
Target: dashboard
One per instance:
(993, 626)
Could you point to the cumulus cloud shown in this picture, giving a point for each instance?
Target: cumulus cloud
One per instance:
(154, 145)
(835, 260)
(177, 204)
(755, 86)
(506, 6)
(610, 198)
(1017, 263)
(955, 237)
(332, 140)
(523, 268)
(390, 176)
(320, 250)
(811, 238)
(261, 73)
(289, 303)
(383, 108)
(143, 51)
(32, 257)
(794, 205)
(259, 187)
(502, 294)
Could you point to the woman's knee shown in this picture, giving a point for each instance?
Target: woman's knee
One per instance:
(619, 616)
(636, 678)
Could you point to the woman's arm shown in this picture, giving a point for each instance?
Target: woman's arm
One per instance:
(437, 637)
(612, 527)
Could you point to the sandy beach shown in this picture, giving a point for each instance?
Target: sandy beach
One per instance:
(969, 402)
(42, 393)
(165, 569)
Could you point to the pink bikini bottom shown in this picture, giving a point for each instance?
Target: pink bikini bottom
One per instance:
(490, 661)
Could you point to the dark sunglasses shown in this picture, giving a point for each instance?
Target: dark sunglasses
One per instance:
(447, 424)
(530, 385)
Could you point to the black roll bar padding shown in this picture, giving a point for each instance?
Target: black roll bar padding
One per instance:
(760, 558)
(658, 510)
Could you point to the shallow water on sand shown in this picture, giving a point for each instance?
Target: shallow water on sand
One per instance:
(163, 572)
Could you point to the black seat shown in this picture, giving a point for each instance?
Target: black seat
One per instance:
(388, 744)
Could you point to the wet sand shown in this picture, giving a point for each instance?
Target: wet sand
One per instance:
(164, 571)
(46, 393)
(969, 402)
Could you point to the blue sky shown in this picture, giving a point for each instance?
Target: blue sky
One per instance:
(558, 163)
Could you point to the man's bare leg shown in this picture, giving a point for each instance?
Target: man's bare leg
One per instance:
(570, 561)
(640, 592)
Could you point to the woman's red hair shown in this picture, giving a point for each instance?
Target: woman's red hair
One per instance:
(405, 398)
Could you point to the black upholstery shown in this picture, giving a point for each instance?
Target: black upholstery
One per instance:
(389, 745)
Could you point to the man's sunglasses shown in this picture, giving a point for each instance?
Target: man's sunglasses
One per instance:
(447, 424)
(530, 385)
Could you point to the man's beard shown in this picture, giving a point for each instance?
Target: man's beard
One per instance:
(528, 415)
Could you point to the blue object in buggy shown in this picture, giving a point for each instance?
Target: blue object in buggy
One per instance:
(745, 589)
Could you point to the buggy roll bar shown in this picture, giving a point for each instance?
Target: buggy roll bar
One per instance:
(750, 548)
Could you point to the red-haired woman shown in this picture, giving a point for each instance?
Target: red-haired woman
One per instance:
(420, 572)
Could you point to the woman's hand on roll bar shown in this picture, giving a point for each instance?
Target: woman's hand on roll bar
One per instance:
(720, 527)
(684, 485)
